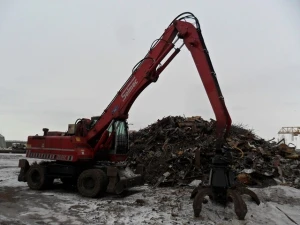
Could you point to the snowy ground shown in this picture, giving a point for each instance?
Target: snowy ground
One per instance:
(143, 205)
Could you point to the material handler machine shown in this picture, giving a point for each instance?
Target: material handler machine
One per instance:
(92, 153)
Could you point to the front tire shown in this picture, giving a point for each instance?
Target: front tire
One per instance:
(91, 183)
(36, 178)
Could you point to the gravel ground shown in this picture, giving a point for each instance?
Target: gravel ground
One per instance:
(142, 205)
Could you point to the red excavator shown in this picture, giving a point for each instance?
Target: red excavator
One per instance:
(92, 153)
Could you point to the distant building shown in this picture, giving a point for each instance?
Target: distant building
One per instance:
(2, 142)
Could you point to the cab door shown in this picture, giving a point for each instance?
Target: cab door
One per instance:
(121, 138)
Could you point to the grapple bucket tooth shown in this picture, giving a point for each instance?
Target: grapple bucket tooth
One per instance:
(247, 191)
(197, 204)
(240, 206)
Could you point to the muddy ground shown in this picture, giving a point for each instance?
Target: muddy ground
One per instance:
(142, 205)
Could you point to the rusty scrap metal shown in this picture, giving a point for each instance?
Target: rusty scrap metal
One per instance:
(183, 147)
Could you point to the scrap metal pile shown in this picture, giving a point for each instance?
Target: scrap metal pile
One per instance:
(178, 150)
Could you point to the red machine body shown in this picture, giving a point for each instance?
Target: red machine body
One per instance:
(92, 137)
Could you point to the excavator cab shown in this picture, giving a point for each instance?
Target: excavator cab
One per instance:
(114, 142)
(120, 176)
(118, 129)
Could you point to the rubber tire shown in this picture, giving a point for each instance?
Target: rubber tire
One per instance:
(40, 184)
(100, 183)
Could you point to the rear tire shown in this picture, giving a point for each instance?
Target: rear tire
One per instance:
(36, 178)
(91, 183)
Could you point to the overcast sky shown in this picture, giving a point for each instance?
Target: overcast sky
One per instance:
(63, 60)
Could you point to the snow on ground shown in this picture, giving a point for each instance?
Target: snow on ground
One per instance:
(142, 205)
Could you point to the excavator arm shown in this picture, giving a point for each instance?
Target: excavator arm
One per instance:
(151, 66)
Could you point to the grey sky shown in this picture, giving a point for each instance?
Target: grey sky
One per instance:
(63, 60)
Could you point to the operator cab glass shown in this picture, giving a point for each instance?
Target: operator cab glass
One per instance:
(120, 142)
(121, 138)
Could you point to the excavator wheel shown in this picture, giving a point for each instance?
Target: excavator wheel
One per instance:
(36, 178)
(91, 183)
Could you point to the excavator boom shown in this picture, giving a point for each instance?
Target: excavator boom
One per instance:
(150, 67)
